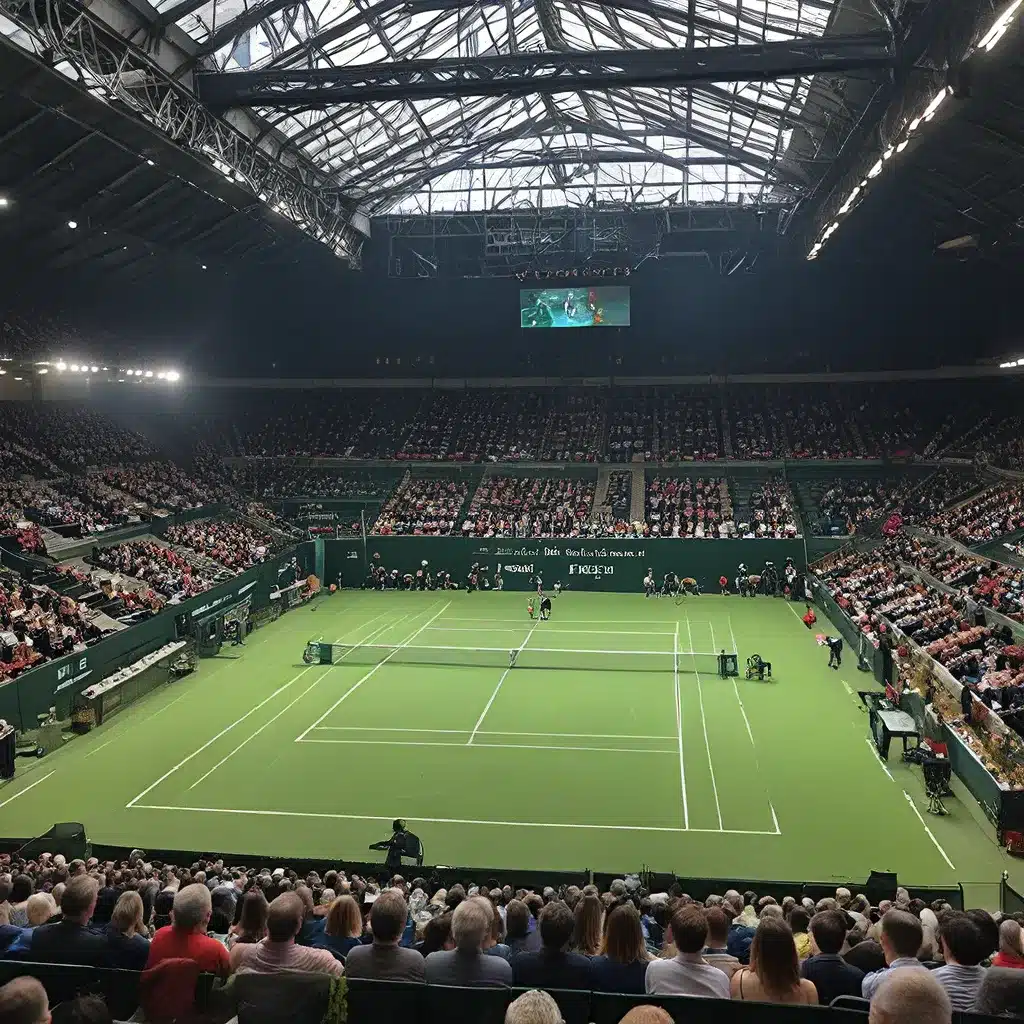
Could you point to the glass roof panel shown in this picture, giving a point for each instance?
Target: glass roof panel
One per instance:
(628, 145)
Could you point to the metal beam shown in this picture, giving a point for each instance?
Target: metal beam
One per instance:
(589, 157)
(523, 74)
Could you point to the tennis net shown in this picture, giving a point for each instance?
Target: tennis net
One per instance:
(696, 662)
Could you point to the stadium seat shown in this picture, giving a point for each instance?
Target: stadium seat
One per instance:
(851, 1003)
(607, 1008)
(65, 981)
(283, 998)
(573, 1003)
(385, 1002)
(448, 1003)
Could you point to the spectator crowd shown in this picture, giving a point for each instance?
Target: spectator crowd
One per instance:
(231, 921)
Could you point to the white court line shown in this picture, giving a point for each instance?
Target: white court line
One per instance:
(107, 744)
(355, 686)
(496, 746)
(789, 605)
(27, 788)
(846, 687)
(679, 723)
(292, 703)
(732, 636)
(571, 622)
(227, 729)
(877, 757)
(483, 714)
(931, 836)
(707, 745)
(444, 821)
(493, 732)
(512, 629)
(743, 711)
(714, 643)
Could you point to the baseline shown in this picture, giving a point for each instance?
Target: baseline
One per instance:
(445, 821)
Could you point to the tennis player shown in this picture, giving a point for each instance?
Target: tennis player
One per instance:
(530, 605)
(649, 590)
(545, 607)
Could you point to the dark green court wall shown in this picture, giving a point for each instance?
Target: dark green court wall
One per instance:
(614, 565)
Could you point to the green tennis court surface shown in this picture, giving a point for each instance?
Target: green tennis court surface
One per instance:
(608, 746)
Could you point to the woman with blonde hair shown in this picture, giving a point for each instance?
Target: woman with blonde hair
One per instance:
(774, 972)
(127, 935)
(252, 921)
(622, 965)
(343, 928)
(40, 908)
(589, 917)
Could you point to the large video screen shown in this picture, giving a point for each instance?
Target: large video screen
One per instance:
(597, 306)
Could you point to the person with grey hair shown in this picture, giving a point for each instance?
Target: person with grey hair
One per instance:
(617, 888)
(467, 964)
(185, 937)
(1011, 948)
(910, 997)
(1001, 993)
(533, 1007)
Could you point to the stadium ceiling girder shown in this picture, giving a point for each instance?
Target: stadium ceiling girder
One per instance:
(523, 74)
(747, 27)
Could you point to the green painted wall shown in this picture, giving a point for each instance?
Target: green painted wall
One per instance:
(618, 565)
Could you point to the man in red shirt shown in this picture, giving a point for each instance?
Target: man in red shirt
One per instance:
(185, 937)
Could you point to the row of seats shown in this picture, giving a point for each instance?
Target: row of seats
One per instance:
(304, 999)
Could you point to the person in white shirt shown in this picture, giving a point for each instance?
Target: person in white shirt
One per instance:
(688, 973)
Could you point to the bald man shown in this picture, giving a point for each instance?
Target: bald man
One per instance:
(910, 997)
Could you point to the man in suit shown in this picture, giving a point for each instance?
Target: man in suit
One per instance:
(552, 966)
(69, 941)
(467, 964)
(831, 974)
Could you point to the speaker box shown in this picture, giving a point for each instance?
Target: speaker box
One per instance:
(66, 837)
(881, 885)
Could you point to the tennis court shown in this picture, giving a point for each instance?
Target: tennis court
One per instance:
(611, 743)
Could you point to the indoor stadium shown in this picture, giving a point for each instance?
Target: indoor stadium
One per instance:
(369, 654)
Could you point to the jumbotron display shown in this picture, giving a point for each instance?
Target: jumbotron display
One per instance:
(598, 306)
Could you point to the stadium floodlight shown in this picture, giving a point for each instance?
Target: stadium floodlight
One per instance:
(43, 370)
(95, 369)
(937, 101)
(161, 375)
(903, 145)
(62, 366)
(173, 376)
(72, 224)
(999, 27)
(876, 170)
(4, 201)
(149, 373)
(74, 367)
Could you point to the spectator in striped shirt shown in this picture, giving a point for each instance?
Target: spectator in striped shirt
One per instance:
(963, 948)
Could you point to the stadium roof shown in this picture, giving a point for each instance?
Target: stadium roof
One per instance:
(712, 142)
